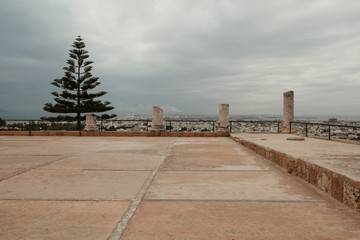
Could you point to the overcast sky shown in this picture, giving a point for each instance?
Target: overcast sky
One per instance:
(186, 56)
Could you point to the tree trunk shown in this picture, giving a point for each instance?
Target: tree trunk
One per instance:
(78, 99)
(78, 122)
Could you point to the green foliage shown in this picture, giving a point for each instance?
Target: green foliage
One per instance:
(75, 97)
(106, 116)
(112, 128)
(2, 122)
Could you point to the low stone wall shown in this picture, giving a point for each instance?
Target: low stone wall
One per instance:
(115, 134)
(14, 133)
(338, 186)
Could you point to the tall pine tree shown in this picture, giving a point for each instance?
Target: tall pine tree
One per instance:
(75, 97)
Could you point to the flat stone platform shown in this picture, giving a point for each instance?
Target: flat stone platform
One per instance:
(157, 188)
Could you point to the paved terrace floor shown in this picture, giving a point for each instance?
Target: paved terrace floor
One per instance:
(157, 188)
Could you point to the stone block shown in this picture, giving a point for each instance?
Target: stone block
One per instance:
(223, 118)
(301, 170)
(324, 179)
(288, 110)
(312, 174)
(337, 187)
(351, 196)
(157, 115)
(90, 123)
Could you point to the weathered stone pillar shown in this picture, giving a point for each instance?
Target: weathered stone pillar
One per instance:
(288, 114)
(223, 118)
(90, 123)
(157, 124)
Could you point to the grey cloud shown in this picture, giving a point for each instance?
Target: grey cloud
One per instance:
(188, 55)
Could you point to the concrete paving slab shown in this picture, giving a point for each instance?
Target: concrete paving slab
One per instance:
(198, 140)
(7, 172)
(59, 219)
(227, 185)
(2, 148)
(232, 162)
(131, 146)
(33, 138)
(23, 141)
(107, 161)
(136, 143)
(200, 149)
(220, 148)
(47, 146)
(43, 150)
(239, 220)
(73, 185)
(25, 161)
(219, 154)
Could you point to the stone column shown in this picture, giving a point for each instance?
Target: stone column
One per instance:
(157, 114)
(90, 123)
(288, 114)
(223, 118)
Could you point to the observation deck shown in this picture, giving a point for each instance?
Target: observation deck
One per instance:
(69, 187)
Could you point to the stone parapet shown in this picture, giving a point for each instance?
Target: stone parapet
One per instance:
(340, 187)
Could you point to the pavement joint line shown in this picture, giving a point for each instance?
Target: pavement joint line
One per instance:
(94, 169)
(69, 199)
(127, 216)
(118, 170)
(41, 165)
(209, 170)
(28, 155)
(21, 140)
(33, 155)
(125, 155)
(233, 200)
(30, 169)
(11, 168)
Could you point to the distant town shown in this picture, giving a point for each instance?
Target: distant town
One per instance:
(341, 129)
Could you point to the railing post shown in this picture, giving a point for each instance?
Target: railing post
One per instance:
(329, 131)
(230, 126)
(290, 127)
(278, 129)
(101, 124)
(213, 126)
(30, 125)
(147, 125)
(306, 129)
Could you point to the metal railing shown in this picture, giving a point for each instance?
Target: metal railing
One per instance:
(255, 126)
(124, 125)
(143, 125)
(190, 125)
(38, 125)
(321, 129)
(329, 129)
